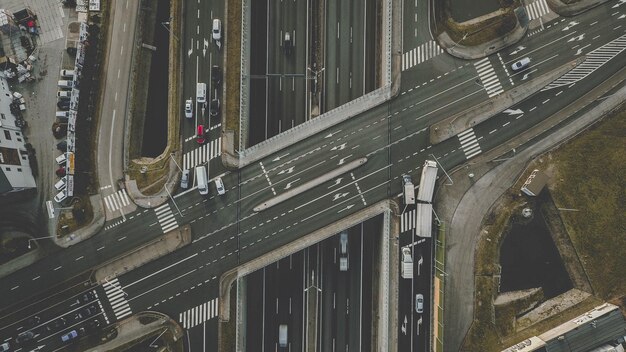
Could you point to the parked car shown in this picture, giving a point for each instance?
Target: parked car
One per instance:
(62, 145)
(61, 184)
(214, 107)
(520, 64)
(216, 75)
(200, 134)
(217, 29)
(184, 180)
(64, 94)
(5, 347)
(61, 159)
(419, 303)
(63, 104)
(60, 197)
(60, 172)
(189, 108)
(67, 73)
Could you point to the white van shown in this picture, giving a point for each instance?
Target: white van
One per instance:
(201, 93)
(63, 114)
(282, 335)
(65, 84)
(64, 94)
(201, 177)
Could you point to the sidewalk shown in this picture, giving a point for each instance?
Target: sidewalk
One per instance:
(478, 184)
(132, 329)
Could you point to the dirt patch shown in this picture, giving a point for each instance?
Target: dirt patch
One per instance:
(233, 69)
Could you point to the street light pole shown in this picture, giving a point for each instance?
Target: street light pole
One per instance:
(165, 24)
(173, 201)
(37, 238)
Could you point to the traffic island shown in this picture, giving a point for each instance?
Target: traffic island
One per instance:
(148, 252)
(569, 8)
(144, 331)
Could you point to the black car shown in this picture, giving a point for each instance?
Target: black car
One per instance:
(33, 321)
(216, 75)
(88, 296)
(89, 311)
(56, 325)
(214, 107)
(93, 324)
(62, 145)
(64, 105)
(24, 337)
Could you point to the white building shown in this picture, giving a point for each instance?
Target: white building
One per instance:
(15, 172)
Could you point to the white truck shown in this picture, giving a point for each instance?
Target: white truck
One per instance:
(406, 269)
(408, 190)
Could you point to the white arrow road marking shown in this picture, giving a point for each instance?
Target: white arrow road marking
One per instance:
(570, 25)
(346, 208)
(340, 195)
(289, 184)
(622, 16)
(621, 2)
(289, 170)
(280, 157)
(332, 134)
(578, 38)
(337, 182)
(525, 76)
(513, 112)
(343, 160)
(339, 147)
(517, 50)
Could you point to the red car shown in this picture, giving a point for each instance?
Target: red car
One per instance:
(200, 134)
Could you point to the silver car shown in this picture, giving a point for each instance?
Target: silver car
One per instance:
(520, 64)
(184, 180)
(419, 303)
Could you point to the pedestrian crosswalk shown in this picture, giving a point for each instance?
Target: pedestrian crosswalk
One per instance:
(166, 218)
(407, 221)
(117, 298)
(116, 200)
(199, 314)
(469, 143)
(420, 54)
(488, 77)
(537, 9)
(594, 60)
(204, 153)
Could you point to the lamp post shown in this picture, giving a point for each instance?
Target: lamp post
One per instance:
(37, 238)
(165, 25)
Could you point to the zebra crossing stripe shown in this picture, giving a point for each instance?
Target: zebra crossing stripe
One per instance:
(488, 77)
(594, 60)
(117, 299)
(117, 200)
(166, 218)
(469, 143)
(203, 153)
(421, 53)
(537, 9)
(199, 314)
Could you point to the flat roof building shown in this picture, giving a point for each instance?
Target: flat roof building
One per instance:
(15, 171)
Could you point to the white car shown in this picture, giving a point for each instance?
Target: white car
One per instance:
(419, 303)
(61, 196)
(184, 180)
(217, 29)
(219, 185)
(189, 108)
(59, 186)
(61, 159)
(520, 64)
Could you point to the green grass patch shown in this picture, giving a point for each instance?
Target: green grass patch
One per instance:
(590, 177)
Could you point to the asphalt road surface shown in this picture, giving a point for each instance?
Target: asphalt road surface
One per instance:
(393, 137)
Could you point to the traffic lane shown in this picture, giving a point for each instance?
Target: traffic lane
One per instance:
(36, 320)
(504, 126)
(422, 285)
(328, 285)
(330, 205)
(331, 57)
(255, 293)
(358, 38)
(259, 34)
(299, 58)
(354, 287)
